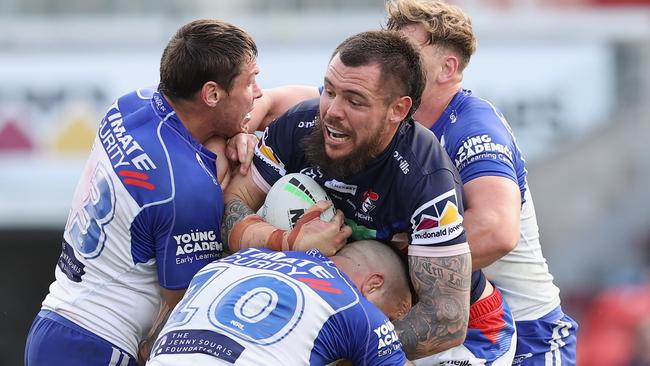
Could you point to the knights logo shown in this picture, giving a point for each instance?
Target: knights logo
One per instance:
(369, 197)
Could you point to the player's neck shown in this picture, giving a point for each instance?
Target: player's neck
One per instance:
(193, 118)
(434, 101)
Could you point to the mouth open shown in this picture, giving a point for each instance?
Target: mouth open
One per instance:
(336, 135)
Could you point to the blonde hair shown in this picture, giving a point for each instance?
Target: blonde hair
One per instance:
(448, 26)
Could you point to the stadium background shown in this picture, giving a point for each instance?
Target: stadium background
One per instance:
(571, 76)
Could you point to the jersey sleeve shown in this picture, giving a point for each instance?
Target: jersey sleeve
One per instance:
(279, 150)
(361, 334)
(186, 238)
(380, 346)
(437, 216)
(481, 144)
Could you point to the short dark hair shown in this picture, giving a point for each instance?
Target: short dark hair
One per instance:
(201, 51)
(398, 58)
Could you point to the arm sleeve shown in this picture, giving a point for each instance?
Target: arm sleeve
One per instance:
(482, 144)
(436, 223)
(279, 150)
(185, 240)
(361, 334)
(375, 340)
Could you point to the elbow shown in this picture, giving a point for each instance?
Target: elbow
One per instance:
(450, 342)
(504, 241)
(460, 339)
(453, 342)
(441, 347)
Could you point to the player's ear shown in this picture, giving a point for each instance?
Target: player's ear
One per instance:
(211, 93)
(449, 68)
(372, 284)
(399, 109)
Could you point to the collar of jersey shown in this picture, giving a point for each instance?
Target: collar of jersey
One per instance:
(169, 117)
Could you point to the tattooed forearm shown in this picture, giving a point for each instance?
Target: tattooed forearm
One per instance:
(439, 320)
(234, 211)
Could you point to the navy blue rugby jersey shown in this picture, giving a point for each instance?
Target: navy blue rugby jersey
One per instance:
(412, 187)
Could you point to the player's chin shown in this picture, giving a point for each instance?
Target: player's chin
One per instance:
(337, 151)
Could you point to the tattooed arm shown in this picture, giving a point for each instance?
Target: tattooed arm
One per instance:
(242, 228)
(241, 198)
(439, 320)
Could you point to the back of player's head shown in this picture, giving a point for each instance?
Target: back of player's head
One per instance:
(398, 58)
(201, 51)
(372, 257)
(447, 25)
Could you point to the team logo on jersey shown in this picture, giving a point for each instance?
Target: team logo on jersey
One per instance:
(267, 155)
(367, 205)
(438, 220)
(368, 198)
(312, 172)
(453, 117)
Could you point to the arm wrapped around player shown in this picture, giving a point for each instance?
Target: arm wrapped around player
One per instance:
(309, 232)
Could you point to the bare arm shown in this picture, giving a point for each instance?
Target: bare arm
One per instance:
(241, 198)
(439, 320)
(492, 209)
(217, 145)
(241, 228)
(276, 101)
(170, 299)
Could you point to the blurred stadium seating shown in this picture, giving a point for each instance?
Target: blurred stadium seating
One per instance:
(572, 77)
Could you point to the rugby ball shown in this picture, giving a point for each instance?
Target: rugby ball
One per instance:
(290, 197)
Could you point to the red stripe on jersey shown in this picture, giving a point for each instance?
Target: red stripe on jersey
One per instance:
(139, 183)
(133, 174)
(320, 285)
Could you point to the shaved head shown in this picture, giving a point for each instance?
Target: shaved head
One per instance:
(379, 273)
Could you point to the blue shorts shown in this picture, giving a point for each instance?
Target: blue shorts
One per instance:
(549, 340)
(55, 340)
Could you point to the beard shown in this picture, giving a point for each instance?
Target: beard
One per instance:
(342, 168)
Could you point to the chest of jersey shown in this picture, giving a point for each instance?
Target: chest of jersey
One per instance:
(371, 202)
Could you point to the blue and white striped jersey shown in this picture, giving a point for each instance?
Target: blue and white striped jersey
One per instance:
(260, 307)
(480, 142)
(146, 213)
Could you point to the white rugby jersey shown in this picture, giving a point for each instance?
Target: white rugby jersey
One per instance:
(480, 142)
(146, 213)
(259, 307)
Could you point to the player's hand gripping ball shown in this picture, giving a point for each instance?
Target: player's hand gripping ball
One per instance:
(290, 197)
